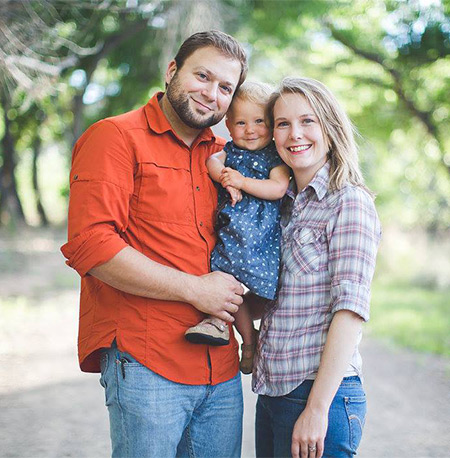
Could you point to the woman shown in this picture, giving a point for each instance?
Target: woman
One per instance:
(308, 369)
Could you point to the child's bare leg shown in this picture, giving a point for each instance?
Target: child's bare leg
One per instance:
(244, 324)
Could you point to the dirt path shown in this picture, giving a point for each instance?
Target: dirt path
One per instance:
(49, 409)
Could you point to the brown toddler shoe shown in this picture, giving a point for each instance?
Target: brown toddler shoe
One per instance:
(210, 331)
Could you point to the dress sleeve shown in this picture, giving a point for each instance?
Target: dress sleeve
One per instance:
(274, 158)
(101, 186)
(353, 245)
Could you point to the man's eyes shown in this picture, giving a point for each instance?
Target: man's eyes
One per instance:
(226, 89)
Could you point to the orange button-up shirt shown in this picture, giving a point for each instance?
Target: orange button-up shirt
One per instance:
(135, 183)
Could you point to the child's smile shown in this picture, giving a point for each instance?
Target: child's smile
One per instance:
(248, 126)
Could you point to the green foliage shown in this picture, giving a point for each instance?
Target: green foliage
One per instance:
(411, 316)
(386, 61)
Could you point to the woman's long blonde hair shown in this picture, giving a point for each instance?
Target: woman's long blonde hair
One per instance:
(336, 126)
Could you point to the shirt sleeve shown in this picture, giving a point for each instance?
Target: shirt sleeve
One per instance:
(353, 246)
(101, 186)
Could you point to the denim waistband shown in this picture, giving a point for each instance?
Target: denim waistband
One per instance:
(353, 380)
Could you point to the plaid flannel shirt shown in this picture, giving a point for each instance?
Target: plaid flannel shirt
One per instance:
(329, 245)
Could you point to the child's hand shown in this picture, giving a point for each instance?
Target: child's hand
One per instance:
(235, 195)
(231, 177)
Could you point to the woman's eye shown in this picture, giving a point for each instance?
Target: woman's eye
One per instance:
(202, 76)
(282, 124)
(308, 121)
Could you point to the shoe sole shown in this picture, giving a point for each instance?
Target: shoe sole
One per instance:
(197, 338)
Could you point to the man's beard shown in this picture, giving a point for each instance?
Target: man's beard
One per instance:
(180, 103)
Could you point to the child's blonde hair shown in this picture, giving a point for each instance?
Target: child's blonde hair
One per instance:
(336, 126)
(254, 92)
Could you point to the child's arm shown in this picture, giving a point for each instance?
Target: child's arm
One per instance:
(215, 165)
(271, 189)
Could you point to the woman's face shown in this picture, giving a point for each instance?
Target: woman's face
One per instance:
(299, 138)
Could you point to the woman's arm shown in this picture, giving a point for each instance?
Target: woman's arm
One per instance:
(352, 249)
(271, 189)
(311, 426)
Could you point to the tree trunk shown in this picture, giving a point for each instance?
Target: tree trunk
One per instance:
(37, 192)
(11, 210)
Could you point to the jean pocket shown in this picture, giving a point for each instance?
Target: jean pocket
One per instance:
(300, 402)
(104, 362)
(356, 414)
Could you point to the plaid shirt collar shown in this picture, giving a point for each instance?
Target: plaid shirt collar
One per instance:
(319, 184)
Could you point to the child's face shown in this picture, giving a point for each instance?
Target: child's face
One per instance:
(248, 126)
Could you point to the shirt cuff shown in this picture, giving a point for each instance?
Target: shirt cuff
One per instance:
(351, 296)
(92, 248)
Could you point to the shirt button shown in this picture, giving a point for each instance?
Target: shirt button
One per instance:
(201, 223)
(75, 177)
(198, 188)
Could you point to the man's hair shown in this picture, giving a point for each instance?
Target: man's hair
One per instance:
(336, 126)
(226, 44)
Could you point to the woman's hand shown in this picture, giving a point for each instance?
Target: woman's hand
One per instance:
(309, 434)
(231, 177)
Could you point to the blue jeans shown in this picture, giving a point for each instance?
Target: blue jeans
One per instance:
(275, 419)
(151, 416)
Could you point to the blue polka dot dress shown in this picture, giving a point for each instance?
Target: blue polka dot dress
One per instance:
(248, 235)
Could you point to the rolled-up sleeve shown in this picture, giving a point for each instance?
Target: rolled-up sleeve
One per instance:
(353, 246)
(101, 186)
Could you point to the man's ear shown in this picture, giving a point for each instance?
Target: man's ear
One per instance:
(170, 72)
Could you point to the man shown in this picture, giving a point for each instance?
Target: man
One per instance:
(141, 219)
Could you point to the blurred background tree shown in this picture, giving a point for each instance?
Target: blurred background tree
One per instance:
(66, 64)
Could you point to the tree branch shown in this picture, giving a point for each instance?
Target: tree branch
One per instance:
(423, 116)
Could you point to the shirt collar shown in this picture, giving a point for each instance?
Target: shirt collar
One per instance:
(319, 183)
(158, 123)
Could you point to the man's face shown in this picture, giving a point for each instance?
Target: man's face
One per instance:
(201, 90)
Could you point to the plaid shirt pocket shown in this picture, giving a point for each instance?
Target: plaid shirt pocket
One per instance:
(304, 254)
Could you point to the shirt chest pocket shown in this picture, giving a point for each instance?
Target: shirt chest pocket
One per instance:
(163, 193)
(304, 250)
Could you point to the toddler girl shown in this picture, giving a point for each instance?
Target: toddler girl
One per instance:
(253, 180)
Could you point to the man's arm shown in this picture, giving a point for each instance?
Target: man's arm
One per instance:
(217, 293)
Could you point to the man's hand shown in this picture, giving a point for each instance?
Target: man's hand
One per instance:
(218, 294)
(231, 177)
(235, 195)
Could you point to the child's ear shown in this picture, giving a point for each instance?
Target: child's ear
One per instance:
(227, 122)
